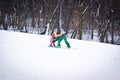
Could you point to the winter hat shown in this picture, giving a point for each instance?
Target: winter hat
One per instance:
(53, 34)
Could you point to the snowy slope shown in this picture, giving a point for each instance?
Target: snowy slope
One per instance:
(27, 57)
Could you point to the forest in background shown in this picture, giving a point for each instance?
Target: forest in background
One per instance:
(97, 20)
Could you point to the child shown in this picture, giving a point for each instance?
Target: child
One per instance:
(52, 40)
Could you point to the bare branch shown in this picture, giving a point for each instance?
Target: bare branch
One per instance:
(54, 11)
(87, 7)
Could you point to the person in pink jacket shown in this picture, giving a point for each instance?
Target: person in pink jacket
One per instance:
(52, 40)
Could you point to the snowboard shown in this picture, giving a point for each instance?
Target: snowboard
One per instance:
(62, 47)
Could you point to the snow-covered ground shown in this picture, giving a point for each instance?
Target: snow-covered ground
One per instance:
(28, 57)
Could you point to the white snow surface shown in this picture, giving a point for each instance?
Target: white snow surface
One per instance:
(27, 57)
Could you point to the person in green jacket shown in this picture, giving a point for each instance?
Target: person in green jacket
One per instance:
(59, 38)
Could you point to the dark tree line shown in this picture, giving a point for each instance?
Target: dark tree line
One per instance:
(80, 18)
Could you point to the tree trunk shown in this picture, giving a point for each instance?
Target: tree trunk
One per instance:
(80, 25)
(112, 34)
